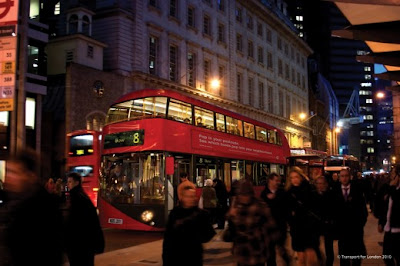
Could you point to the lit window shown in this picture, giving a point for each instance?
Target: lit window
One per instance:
(370, 150)
(30, 108)
(368, 100)
(367, 68)
(299, 18)
(367, 76)
(366, 84)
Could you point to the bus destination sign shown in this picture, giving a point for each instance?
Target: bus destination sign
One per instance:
(123, 139)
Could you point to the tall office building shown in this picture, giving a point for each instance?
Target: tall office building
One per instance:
(336, 60)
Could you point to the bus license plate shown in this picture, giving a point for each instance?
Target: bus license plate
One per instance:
(115, 221)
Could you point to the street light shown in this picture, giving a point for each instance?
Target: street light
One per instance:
(303, 117)
(380, 95)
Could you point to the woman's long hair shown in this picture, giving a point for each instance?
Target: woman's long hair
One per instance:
(295, 169)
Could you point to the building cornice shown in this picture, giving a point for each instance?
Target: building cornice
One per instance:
(77, 36)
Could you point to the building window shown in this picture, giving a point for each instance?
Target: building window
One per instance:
(221, 33)
(69, 56)
(269, 36)
(250, 22)
(281, 106)
(370, 150)
(239, 87)
(191, 17)
(269, 60)
(299, 18)
(288, 106)
(250, 49)
(298, 78)
(279, 43)
(238, 14)
(153, 48)
(251, 92)
(367, 76)
(207, 71)
(221, 74)
(173, 8)
(287, 72)
(261, 95)
(286, 49)
(57, 8)
(366, 84)
(280, 67)
(239, 43)
(73, 24)
(270, 99)
(221, 5)
(191, 61)
(368, 100)
(207, 25)
(293, 76)
(259, 29)
(303, 82)
(173, 61)
(368, 117)
(260, 55)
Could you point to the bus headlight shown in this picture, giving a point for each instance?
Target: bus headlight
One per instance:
(147, 216)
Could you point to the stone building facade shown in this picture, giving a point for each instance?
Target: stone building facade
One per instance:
(250, 47)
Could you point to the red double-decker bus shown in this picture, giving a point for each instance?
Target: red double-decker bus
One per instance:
(84, 158)
(147, 128)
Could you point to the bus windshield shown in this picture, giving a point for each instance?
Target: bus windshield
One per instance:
(81, 145)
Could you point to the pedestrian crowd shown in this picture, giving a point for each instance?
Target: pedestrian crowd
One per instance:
(326, 209)
(41, 224)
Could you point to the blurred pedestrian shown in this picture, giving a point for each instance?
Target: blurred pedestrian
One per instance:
(184, 178)
(187, 228)
(276, 199)
(389, 222)
(50, 186)
(34, 233)
(351, 218)
(324, 207)
(302, 221)
(84, 237)
(59, 187)
(209, 198)
(222, 202)
(252, 225)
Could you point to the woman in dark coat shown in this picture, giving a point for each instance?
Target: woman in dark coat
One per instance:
(303, 225)
(222, 205)
(187, 228)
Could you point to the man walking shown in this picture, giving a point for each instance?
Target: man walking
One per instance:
(351, 218)
(84, 237)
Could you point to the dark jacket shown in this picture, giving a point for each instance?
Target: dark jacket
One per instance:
(278, 206)
(34, 235)
(83, 230)
(325, 210)
(185, 232)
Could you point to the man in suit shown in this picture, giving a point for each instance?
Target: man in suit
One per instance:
(351, 218)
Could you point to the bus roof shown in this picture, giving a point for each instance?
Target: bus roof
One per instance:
(188, 99)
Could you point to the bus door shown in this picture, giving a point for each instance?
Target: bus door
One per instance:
(181, 165)
(206, 168)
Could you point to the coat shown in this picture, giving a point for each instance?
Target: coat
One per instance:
(34, 234)
(209, 198)
(185, 232)
(83, 230)
(253, 230)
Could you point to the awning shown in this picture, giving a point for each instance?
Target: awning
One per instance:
(376, 22)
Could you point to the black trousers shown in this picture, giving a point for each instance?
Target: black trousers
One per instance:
(391, 247)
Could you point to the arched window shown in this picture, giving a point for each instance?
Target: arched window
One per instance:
(95, 121)
(73, 24)
(86, 25)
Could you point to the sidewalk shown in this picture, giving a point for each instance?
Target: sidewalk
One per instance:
(217, 252)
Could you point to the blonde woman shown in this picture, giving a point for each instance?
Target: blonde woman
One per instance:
(302, 222)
